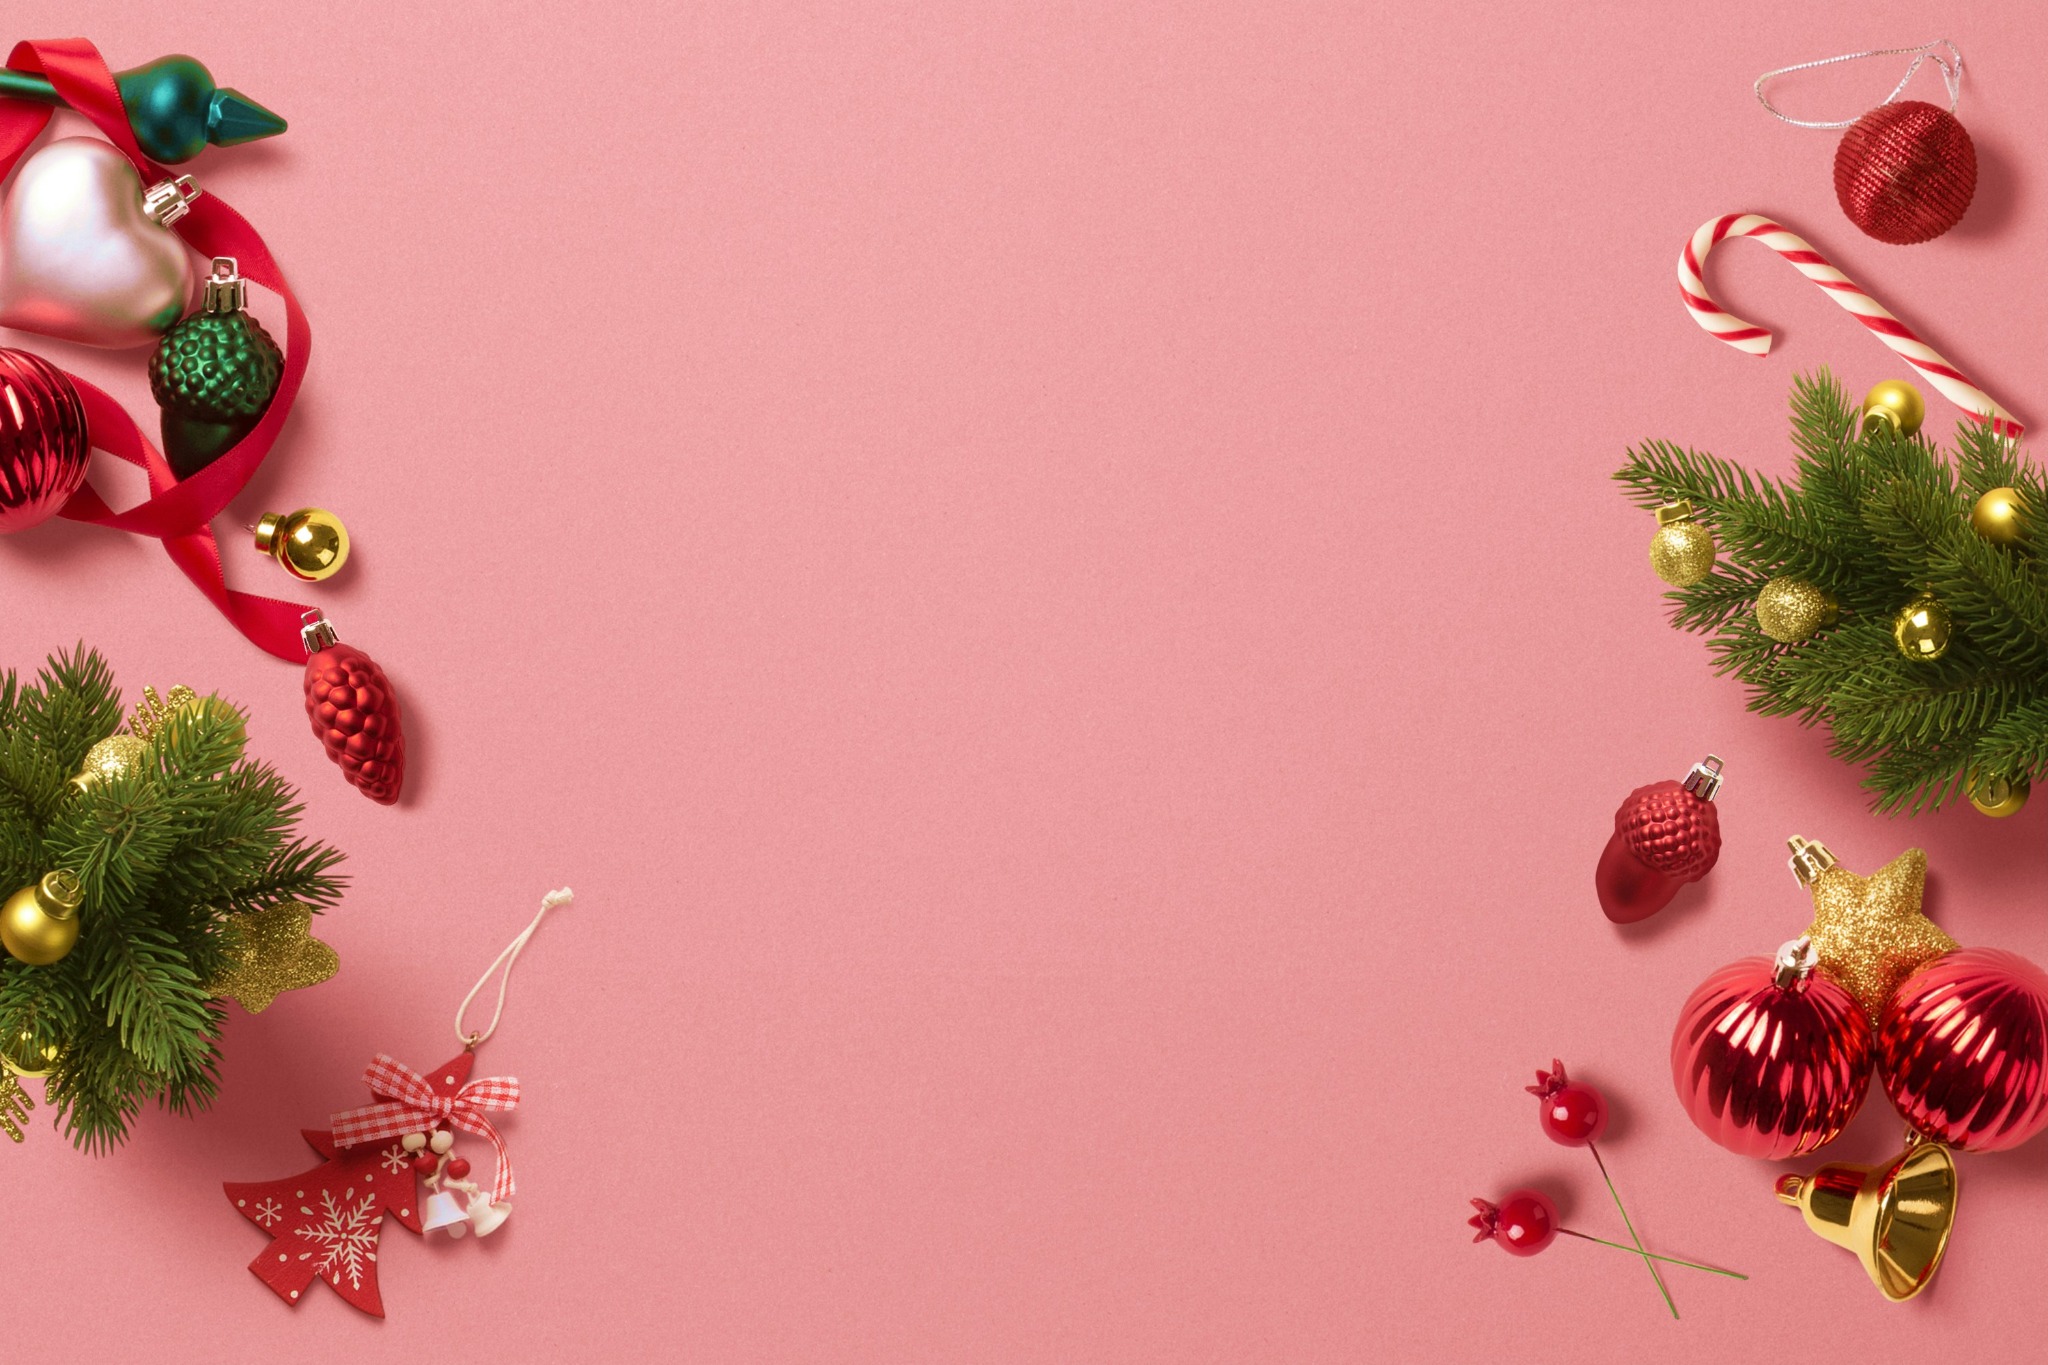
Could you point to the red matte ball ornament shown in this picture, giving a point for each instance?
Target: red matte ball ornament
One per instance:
(1906, 172)
(1665, 835)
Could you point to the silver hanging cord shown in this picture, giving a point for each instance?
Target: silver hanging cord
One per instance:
(1951, 68)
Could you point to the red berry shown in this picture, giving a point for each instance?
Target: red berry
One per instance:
(1571, 1112)
(425, 1163)
(1526, 1223)
(458, 1168)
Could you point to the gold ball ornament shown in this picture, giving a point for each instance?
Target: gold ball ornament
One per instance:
(2000, 516)
(310, 543)
(1922, 629)
(39, 923)
(1868, 931)
(23, 1055)
(111, 757)
(277, 953)
(1682, 551)
(1997, 797)
(1897, 403)
(1790, 609)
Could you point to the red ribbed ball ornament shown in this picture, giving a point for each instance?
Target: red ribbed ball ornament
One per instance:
(1905, 172)
(1963, 1049)
(44, 448)
(1771, 1058)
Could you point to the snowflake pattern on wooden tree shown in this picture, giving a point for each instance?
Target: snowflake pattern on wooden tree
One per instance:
(324, 1224)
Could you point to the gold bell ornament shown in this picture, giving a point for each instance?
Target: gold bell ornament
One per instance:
(1922, 629)
(1895, 1217)
(39, 923)
(1682, 551)
(311, 543)
(2000, 516)
(1896, 404)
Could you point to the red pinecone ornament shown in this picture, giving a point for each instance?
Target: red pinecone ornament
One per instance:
(354, 712)
(1665, 835)
(1906, 172)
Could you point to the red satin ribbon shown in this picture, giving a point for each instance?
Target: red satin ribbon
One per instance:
(177, 513)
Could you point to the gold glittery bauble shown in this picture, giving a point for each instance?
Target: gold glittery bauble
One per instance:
(1922, 629)
(2000, 516)
(1897, 403)
(1997, 796)
(1790, 609)
(1869, 931)
(278, 953)
(1682, 551)
(111, 757)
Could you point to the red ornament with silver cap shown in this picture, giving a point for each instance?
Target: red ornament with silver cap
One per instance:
(1665, 835)
(355, 713)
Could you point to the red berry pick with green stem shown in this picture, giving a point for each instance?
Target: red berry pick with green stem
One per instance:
(1574, 1114)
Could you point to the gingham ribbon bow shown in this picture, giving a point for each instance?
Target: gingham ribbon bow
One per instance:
(411, 1105)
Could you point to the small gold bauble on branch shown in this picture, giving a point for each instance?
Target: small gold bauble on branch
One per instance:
(1997, 796)
(311, 543)
(21, 1056)
(111, 757)
(1790, 609)
(277, 953)
(1922, 628)
(1682, 551)
(2000, 516)
(39, 923)
(1896, 403)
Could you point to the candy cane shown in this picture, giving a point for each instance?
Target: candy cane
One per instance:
(1747, 336)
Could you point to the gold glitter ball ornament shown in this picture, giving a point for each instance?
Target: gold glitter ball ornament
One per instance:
(1868, 931)
(1997, 797)
(2000, 516)
(1682, 551)
(111, 757)
(278, 953)
(1790, 609)
(1895, 402)
(1922, 629)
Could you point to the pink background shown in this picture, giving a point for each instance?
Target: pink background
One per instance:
(1048, 574)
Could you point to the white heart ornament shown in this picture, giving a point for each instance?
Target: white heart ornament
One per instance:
(85, 255)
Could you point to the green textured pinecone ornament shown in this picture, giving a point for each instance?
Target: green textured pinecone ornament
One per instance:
(213, 374)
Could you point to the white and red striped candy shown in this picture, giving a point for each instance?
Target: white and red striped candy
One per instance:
(1755, 340)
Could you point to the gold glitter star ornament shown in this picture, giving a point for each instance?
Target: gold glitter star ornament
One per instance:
(1868, 931)
(278, 953)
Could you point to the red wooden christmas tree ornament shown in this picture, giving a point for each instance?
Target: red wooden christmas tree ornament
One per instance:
(354, 712)
(324, 1223)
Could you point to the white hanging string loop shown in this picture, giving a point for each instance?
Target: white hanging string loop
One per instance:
(505, 960)
(1951, 68)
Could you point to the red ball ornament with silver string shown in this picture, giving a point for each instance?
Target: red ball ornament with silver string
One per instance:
(354, 712)
(1906, 171)
(1771, 1057)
